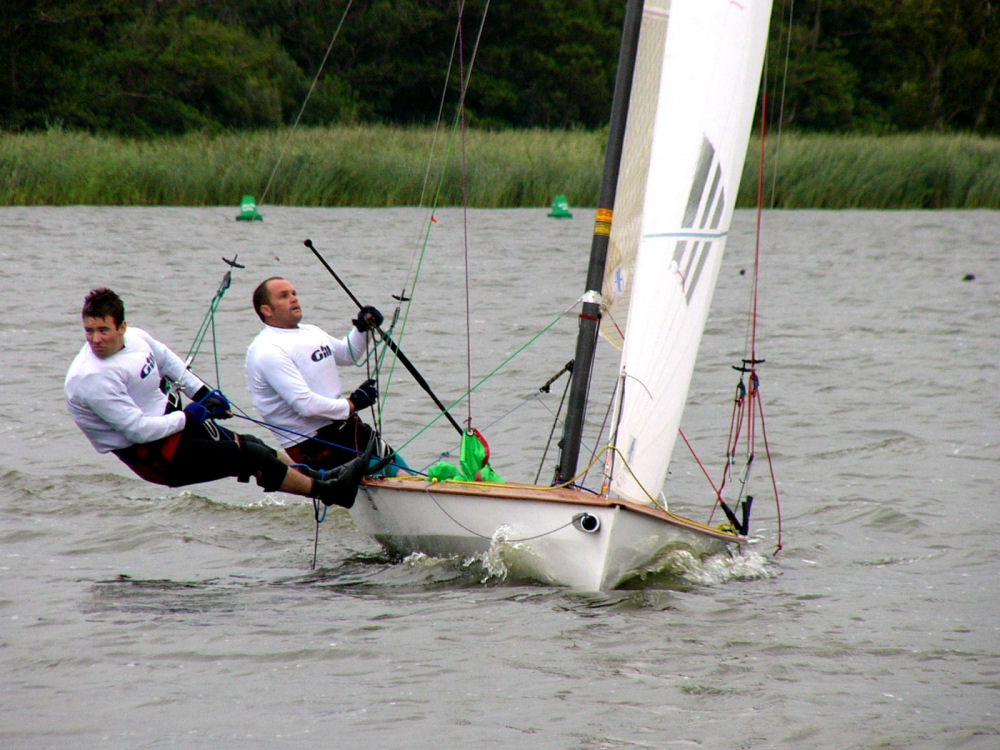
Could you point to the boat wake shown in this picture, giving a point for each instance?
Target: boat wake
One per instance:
(507, 562)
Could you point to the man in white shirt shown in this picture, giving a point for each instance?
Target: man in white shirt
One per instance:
(291, 371)
(113, 394)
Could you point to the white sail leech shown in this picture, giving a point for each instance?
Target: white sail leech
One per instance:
(630, 194)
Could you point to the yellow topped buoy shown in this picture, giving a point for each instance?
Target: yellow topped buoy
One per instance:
(248, 210)
(560, 208)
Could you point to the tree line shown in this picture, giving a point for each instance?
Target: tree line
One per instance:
(152, 67)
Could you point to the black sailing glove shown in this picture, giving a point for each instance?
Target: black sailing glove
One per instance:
(365, 395)
(368, 318)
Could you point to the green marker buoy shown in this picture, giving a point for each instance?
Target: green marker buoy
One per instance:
(248, 210)
(560, 208)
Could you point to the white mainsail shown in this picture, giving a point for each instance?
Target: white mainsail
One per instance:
(710, 69)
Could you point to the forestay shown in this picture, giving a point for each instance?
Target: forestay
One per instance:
(708, 77)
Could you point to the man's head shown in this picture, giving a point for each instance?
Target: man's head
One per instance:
(276, 303)
(104, 322)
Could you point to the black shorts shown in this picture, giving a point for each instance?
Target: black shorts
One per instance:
(335, 444)
(202, 453)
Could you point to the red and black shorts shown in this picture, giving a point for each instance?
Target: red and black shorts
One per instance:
(202, 453)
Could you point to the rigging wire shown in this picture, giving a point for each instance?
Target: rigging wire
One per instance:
(779, 114)
(747, 404)
(568, 368)
(755, 406)
(417, 259)
(305, 101)
(482, 380)
(208, 323)
(465, 215)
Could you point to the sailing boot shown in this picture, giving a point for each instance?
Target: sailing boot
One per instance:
(339, 486)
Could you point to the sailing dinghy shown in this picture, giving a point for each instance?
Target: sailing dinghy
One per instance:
(685, 95)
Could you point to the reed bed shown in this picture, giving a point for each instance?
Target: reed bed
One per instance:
(381, 166)
(879, 172)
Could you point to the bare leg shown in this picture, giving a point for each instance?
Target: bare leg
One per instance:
(297, 484)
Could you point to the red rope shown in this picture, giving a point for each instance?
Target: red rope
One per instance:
(755, 399)
(760, 212)
(700, 464)
(770, 466)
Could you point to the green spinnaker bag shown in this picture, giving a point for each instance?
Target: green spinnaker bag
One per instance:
(474, 462)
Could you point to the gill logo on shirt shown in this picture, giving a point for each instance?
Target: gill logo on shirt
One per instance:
(322, 353)
(148, 366)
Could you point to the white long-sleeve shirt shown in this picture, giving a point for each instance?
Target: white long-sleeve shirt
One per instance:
(117, 401)
(293, 380)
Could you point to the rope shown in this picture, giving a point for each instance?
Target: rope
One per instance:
(781, 102)
(755, 400)
(774, 482)
(208, 322)
(462, 526)
(319, 520)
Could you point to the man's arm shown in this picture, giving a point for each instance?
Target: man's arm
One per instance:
(351, 348)
(173, 367)
(110, 401)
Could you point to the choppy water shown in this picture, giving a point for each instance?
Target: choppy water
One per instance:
(137, 616)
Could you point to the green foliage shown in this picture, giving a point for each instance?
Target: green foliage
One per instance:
(174, 76)
(173, 66)
(887, 65)
(550, 67)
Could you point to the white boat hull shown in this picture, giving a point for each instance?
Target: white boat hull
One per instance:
(532, 529)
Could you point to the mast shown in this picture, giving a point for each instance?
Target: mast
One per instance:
(590, 314)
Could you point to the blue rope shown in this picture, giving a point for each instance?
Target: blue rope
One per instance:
(319, 440)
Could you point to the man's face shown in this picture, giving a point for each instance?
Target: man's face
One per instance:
(104, 337)
(283, 310)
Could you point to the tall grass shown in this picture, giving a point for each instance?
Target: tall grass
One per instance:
(390, 166)
(905, 171)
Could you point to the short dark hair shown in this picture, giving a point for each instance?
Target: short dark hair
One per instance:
(261, 296)
(101, 303)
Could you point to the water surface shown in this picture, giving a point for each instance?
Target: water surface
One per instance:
(139, 616)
